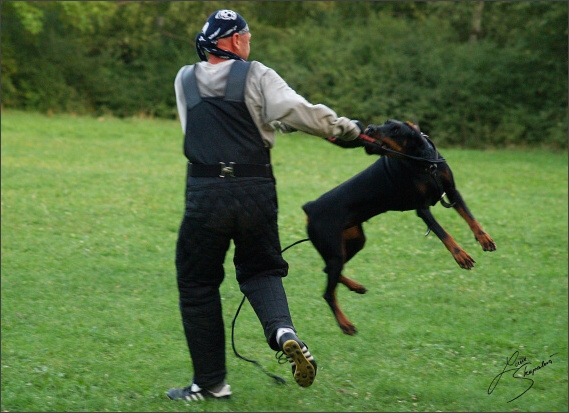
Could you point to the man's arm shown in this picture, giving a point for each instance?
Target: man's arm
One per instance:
(180, 99)
(283, 104)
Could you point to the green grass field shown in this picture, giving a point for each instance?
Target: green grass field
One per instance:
(90, 321)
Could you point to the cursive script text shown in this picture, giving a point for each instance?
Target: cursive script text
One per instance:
(520, 371)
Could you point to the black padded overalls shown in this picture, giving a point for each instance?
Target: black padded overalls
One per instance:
(230, 195)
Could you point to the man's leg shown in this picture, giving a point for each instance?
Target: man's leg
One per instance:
(267, 296)
(259, 264)
(199, 264)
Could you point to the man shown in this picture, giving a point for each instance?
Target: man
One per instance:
(229, 110)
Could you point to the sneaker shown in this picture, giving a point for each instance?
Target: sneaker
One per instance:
(303, 364)
(196, 393)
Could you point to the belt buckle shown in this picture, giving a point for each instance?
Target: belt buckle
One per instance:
(226, 170)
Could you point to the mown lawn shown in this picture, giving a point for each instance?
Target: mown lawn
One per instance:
(90, 321)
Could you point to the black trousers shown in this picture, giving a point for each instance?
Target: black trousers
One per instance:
(217, 211)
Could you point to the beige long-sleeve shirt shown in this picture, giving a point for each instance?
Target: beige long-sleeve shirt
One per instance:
(270, 101)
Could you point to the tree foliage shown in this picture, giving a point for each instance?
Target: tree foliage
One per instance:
(474, 74)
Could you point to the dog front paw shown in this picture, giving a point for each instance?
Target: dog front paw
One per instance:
(486, 242)
(463, 259)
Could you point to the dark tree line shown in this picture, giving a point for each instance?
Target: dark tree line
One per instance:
(473, 74)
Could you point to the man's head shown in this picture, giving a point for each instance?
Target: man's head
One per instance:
(225, 35)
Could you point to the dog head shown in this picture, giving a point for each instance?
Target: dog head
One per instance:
(402, 137)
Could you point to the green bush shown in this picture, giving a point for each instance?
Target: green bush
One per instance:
(366, 60)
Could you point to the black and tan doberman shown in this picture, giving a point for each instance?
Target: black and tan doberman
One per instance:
(411, 175)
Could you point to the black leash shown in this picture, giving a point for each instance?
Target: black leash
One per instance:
(278, 379)
(295, 243)
(401, 155)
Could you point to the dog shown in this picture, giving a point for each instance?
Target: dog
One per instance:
(412, 175)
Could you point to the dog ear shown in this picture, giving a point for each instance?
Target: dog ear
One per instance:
(413, 126)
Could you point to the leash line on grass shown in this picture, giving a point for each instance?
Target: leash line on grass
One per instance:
(278, 379)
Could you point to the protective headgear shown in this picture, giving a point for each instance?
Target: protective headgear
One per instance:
(221, 24)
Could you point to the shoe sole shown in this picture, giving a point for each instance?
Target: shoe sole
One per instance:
(202, 394)
(198, 397)
(304, 373)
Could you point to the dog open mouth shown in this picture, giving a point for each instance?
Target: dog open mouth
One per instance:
(382, 142)
(377, 138)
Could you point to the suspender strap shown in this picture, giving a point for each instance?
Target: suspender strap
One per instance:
(190, 88)
(235, 89)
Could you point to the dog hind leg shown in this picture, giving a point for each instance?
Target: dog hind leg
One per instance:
(353, 240)
(327, 239)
